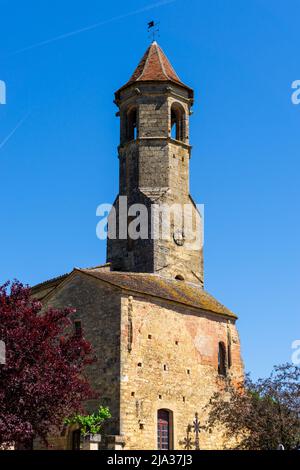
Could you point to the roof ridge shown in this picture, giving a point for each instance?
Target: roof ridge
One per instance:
(49, 281)
(173, 70)
(159, 50)
(146, 62)
(169, 64)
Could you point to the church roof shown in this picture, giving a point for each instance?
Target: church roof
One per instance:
(154, 66)
(181, 292)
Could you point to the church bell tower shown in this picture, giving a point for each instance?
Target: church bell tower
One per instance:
(154, 155)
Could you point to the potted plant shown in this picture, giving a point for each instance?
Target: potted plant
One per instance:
(90, 425)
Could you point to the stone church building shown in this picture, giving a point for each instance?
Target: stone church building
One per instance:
(163, 344)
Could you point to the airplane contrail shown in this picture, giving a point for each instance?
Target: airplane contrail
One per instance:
(93, 26)
(12, 132)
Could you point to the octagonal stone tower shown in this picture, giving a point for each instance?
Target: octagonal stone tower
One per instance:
(154, 153)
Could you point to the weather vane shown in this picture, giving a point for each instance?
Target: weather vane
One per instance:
(153, 30)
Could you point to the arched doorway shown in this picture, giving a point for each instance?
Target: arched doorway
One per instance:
(164, 430)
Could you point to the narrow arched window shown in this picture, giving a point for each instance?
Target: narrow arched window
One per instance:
(164, 430)
(222, 368)
(132, 129)
(178, 122)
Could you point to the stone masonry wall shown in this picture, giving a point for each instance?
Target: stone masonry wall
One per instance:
(169, 361)
(98, 308)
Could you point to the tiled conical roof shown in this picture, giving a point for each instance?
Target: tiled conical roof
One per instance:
(154, 66)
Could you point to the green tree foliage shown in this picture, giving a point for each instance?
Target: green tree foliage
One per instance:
(262, 414)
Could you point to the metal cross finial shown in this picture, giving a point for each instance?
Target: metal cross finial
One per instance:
(187, 442)
(153, 30)
(196, 427)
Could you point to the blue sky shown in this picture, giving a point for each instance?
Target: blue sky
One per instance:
(60, 160)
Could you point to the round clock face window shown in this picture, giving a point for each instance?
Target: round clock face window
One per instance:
(178, 237)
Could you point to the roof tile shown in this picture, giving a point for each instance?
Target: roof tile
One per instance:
(157, 286)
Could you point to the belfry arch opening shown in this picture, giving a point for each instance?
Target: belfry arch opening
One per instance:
(131, 124)
(178, 124)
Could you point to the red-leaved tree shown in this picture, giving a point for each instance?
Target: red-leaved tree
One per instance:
(42, 380)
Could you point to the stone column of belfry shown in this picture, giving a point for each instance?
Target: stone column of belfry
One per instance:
(154, 153)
